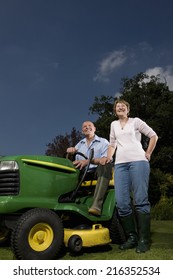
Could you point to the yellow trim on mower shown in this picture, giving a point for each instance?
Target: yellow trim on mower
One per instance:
(94, 182)
(55, 165)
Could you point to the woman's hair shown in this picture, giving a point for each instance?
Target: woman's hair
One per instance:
(121, 101)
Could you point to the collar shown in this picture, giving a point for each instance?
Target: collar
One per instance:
(96, 139)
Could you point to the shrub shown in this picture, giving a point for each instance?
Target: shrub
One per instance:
(163, 210)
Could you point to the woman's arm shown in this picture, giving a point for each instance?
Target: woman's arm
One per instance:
(110, 153)
(151, 146)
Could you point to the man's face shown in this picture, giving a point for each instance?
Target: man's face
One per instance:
(88, 129)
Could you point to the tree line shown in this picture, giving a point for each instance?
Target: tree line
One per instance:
(151, 100)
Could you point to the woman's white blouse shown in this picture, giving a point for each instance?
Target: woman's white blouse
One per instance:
(127, 140)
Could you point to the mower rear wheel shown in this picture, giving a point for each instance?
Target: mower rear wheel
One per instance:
(38, 235)
(117, 234)
(4, 236)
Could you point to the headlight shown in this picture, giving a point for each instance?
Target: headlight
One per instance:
(9, 165)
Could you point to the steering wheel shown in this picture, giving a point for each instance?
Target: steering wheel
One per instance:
(80, 154)
(73, 155)
(84, 170)
(91, 155)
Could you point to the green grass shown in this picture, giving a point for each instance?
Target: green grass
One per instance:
(161, 248)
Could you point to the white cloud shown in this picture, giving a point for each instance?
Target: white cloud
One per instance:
(166, 75)
(137, 58)
(117, 94)
(145, 47)
(110, 63)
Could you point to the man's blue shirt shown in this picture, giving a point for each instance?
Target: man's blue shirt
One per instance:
(99, 144)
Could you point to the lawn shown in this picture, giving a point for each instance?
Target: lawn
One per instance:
(161, 249)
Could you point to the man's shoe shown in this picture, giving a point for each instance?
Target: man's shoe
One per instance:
(94, 211)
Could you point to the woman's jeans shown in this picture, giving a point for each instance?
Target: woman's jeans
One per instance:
(131, 187)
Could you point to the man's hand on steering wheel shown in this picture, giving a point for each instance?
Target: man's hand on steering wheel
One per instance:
(81, 163)
(78, 163)
(71, 150)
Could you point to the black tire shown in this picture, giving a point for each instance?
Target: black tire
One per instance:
(75, 244)
(5, 235)
(38, 235)
(117, 234)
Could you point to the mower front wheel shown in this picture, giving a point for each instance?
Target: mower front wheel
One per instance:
(38, 235)
(75, 244)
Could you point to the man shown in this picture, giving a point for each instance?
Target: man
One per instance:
(104, 171)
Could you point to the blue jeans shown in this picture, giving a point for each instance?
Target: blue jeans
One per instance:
(132, 181)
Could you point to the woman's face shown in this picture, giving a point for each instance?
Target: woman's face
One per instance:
(121, 110)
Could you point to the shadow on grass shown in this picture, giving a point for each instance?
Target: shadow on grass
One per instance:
(85, 251)
(162, 240)
(162, 234)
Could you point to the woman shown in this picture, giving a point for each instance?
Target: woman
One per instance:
(132, 171)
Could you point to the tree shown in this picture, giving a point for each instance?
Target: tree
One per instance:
(60, 143)
(103, 107)
(152, 101)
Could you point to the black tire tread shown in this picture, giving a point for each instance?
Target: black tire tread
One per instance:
(23, 251)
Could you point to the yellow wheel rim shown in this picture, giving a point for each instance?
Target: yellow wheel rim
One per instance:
(40, 237)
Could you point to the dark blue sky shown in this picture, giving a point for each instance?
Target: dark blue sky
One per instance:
(57, 55)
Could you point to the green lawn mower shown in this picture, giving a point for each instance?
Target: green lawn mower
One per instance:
(44, 204)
